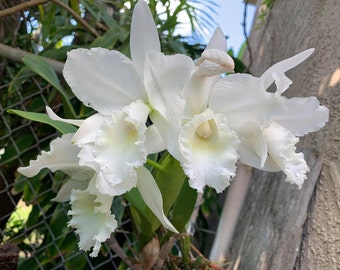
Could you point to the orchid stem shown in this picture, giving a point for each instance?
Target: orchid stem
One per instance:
(230, 213)
(154, 164)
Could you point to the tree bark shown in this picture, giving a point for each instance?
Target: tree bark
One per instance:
(281, 227)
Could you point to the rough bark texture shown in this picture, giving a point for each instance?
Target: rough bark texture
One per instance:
(281, 227)
(8, 257)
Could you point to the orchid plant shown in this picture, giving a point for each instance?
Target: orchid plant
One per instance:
(165, 128)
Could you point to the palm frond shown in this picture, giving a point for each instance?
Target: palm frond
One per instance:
(204, 22)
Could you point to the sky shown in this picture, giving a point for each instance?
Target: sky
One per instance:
(229, 17)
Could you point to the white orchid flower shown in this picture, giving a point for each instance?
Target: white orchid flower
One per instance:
(2, 151)
(114, 146)
(91, 217)
(90, 210)
(209, 151)
(194, 135)
(267, 123)
(207, 144)
(63, 156)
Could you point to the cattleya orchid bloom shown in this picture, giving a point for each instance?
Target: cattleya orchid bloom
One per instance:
(207, 144)
(200, 139)
(87, 204)
(267, 123)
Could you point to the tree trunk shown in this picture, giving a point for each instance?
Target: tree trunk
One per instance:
(281, 227)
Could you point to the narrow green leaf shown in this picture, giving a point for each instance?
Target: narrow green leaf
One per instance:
(182, 209)
(19, 79)
(44, 118)
(144, 220)
(108, 40)
(38, 65)
(44, 69)
(134, 197)
(170, 180)
(184, 206)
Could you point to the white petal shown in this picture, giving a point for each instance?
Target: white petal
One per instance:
(144, 35)
(62, 156)
(92, 219)
(53, 116)
(242, 98)
(154, 142)
(118, 150)
(250, 158)
(214, 62)
(217, 41)
(102, 79)
(64, 192)
(196, 94)
(137, 112)
(169, 129)
(280, 68)
(165, 77)
(300, 115)
(105, 186)
(87, 132)
(281, 148)
(209, 150)
(152, 196)
(253, 148)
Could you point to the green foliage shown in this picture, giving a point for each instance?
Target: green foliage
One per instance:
(38, 65)
(62, 127)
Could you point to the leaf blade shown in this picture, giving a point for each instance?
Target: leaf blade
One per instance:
(44, 118)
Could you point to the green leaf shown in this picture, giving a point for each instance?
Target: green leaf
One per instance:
(182, 209)
(144, 220)
(44, 118)
(19, 79)
(184, 206)
(109, 39)
(169, 180)
(44, 69)
(38, 65)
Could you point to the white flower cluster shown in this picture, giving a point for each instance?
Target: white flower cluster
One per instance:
(206, 121)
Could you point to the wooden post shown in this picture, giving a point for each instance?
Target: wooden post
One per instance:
(281, 227)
